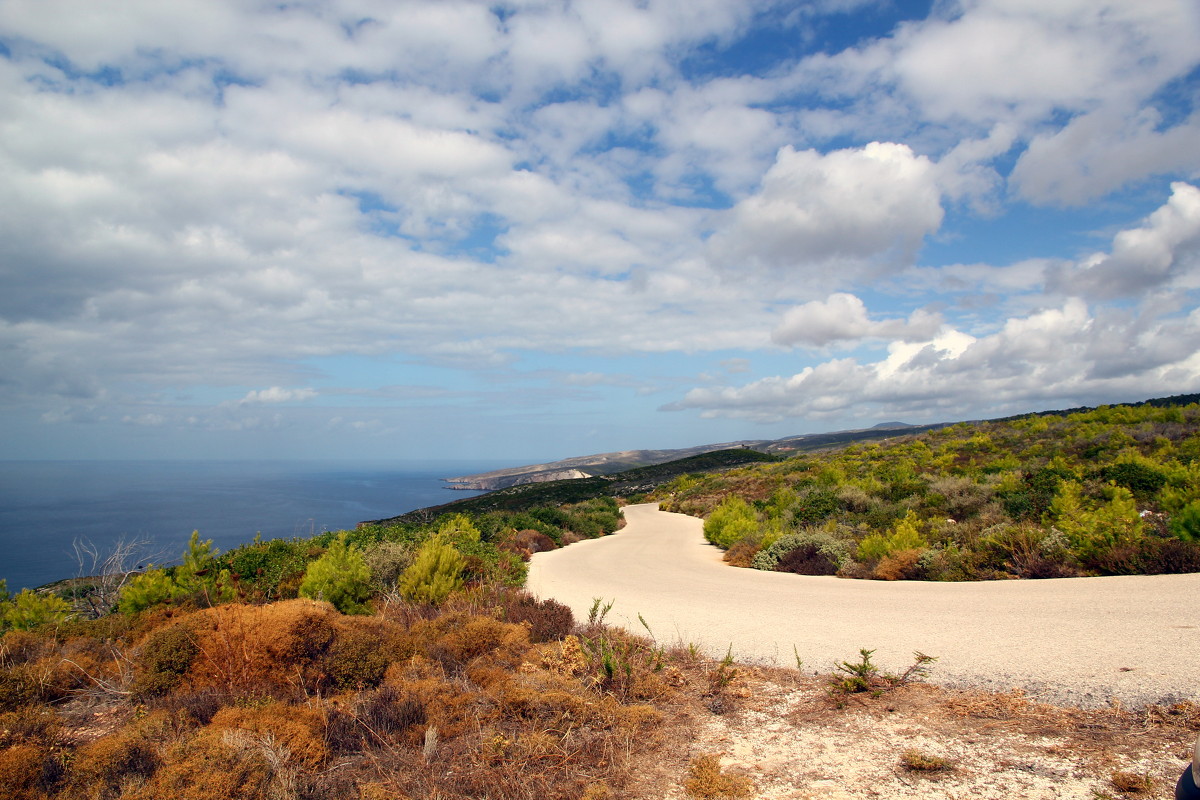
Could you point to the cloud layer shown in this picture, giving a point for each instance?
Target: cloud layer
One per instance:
(209, 209)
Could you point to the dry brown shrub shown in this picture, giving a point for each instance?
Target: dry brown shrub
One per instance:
(527, 542)
(901, 565)
(706, 781)
(457, 639)
(547, 619)
(272, 650)
(34, 725)
(299, 729)
(23, 771)
(741, 554)
(915, 760)
(212, 764)
(1132, 783)
(106, 767)
(46, 679)
(20, 647)
(451, 706)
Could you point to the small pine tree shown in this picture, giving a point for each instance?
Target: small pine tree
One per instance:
(434, 575)
(148, 589)
(459, 527)
(1186, 523)
(340, 577)
(196, 577)
(29, 609)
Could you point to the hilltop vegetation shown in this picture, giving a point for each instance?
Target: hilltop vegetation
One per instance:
(1114, 490)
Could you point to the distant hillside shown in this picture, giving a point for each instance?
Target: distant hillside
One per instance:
(587, 466)
(582, 467)
(610, 463)
(556, 492)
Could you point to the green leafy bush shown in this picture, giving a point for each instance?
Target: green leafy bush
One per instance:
(730, 522)
(145, 591)
(904, 536)
(1185, 524)
(340, 577)
(1103, 536)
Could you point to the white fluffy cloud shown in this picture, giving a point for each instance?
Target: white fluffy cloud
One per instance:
(1164, 252)
(1063, 355)
(852, 207)
(843, 318)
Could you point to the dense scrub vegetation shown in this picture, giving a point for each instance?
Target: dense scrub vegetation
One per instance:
(397, 661)
(491, 694)
(1113, 490)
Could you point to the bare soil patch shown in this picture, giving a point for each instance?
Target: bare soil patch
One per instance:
(792, 738)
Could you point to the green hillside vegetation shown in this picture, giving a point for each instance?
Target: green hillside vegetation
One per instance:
(1107, 491)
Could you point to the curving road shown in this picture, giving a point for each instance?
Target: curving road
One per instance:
(1084, 641)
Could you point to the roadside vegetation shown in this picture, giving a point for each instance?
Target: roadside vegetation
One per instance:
(1108, 491)
(403, 660)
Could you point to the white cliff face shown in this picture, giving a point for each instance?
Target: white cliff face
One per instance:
(491, 481)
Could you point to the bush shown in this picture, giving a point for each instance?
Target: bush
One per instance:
(434, 575)
(730, 522)
(548, 620)
(30, 609)
(813, 551)
(361, 653)
(387, 562)
(145, 591)
(904, 536)
(1185, 524)
(899, 565)
(165, 658)
(241, 648)
(340, 577)
(1106, 537)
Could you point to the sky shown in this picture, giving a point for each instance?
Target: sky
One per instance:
(537, 229)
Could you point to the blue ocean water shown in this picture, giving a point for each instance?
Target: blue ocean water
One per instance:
(45, 506)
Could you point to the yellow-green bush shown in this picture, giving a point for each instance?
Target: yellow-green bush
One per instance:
(435, 574)
(340, 577)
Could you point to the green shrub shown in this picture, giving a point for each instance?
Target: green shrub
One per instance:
(387, 561)
(29, 609)
(817, 505)
(1104, 537)
(1185, 524)
(812, 551)
(730, 522)
(434, 575)
(1141, 479)
(165, 658)
(904, 536)
(145, 591)
(340, 577)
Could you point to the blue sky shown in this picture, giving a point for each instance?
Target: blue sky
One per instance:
(536, 229)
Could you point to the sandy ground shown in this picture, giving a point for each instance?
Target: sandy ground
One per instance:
(1088, 642)
(787, 738)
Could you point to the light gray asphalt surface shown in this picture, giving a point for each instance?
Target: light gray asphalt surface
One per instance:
(1083, 641)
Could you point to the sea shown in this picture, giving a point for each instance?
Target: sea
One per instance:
(48, 507)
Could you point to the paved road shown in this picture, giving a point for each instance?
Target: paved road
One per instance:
(1078, 640)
